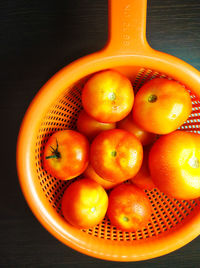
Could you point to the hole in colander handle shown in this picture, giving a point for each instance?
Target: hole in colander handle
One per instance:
(127, 26)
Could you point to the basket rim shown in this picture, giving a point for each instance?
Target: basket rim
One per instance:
(155, 247)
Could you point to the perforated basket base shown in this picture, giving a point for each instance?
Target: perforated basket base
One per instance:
(167, 213)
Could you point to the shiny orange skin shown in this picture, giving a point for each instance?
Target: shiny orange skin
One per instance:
(116, 155)
(74, 154)
(165, 114)
(129, 208)
(174, 163)
(90, 127)
(84, 203)
(91, 174)
(142, 135)
(143, 178)
(108, 96)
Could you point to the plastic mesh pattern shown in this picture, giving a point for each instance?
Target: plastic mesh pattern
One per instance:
(166, 212)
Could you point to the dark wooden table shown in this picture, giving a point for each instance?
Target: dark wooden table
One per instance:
(38, 38)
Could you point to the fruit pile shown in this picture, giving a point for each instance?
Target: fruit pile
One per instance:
(125, 144)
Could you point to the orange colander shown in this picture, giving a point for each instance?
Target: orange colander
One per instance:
(56, 106)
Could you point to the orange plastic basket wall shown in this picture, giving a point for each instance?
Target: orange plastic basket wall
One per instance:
(167, 213)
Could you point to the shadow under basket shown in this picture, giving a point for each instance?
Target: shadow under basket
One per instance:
(168, 214)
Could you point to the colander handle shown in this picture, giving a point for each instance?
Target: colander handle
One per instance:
(127, 26)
